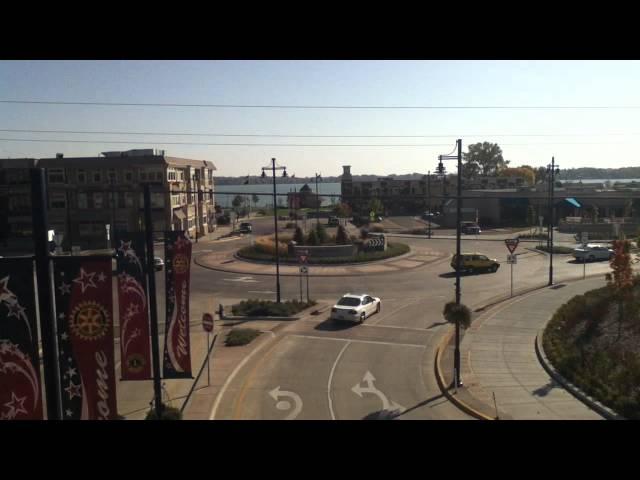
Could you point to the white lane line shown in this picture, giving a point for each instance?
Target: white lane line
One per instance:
(360, 341)
(424, 330)
(333, 417)
(231, 377)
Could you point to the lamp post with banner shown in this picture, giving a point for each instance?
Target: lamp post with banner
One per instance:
(273, 169)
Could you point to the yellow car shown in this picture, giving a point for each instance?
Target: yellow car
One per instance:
(475, 262)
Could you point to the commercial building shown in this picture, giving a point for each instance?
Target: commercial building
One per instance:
(89, 195)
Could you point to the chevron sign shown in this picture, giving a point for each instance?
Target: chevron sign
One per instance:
(375, 244)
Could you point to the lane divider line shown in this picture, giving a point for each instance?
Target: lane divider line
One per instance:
(333, 368)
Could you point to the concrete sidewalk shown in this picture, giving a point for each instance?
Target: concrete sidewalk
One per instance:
(498, 358)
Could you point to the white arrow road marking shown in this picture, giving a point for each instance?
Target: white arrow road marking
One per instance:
(370, 388)
(241, 279)
(276, 393)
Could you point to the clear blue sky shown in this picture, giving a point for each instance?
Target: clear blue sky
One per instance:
(585, 137)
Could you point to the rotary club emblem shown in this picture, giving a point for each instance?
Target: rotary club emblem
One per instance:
(180, 263)
(89, 321)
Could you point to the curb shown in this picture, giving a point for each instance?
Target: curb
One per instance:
(590, 402)
(445, 391)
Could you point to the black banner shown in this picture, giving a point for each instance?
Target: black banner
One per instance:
(20, 385)
(177, 350)
(135, 349)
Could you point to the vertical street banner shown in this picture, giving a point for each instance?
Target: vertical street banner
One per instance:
(20, 385)
(135, 349)
(84, 315)
(177, 349)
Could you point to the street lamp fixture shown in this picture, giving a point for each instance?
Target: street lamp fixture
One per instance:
(273, 169)
(441, 172)
(552, 171)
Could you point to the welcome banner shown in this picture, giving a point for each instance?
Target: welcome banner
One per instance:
(177, 350)
(135, 350)
(84, 314)
(20, 386)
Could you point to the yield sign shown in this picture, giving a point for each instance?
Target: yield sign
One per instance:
(511, 243)
(303, 258)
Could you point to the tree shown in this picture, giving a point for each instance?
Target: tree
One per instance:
(541, 175)
(255, 199)
(528, 174)
(620, 281)
(321, 232)
(312, 238)
(455, 313)
(487, 156)
(237, 201)
(342, 210)
(470, 170)
(342, 238)
(298, 236)
(375, 206)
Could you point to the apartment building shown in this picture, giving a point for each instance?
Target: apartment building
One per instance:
(90, 195)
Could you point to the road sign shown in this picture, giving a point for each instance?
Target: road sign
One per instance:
(584, 237)
(511, 243)
(207, 322)
(512, 259)
(304, 269)
(303, 255)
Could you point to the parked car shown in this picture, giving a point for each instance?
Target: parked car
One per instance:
(470, 228)
(333, 222)
(158, 263)
(475, 262)
(245, 227)
(355, 308)
(592, 252)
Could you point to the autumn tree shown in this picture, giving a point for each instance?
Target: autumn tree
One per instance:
(620, 280)
(342, 210)
(487, 157)
(526, 173)
(342, 238)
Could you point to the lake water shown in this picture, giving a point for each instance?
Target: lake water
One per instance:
(602, 180)
(282, 189)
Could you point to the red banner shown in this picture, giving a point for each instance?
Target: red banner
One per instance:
(20, 386)
(84, 312)
(135, 351)
(177, 349)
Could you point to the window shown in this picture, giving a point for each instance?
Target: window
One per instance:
(96, 176)
(128, 175)
(121, 200)
(56, 175)
(58, 200)
(82, 200)
(97, 200)
(157, 200)
(143, 175)
(171, 175)
(112, 176)
(81, 176)
(128, 199)
(159, 176)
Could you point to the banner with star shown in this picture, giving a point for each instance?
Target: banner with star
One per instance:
(20, 385)
(84, 314)
(177, 349)
(135, 348)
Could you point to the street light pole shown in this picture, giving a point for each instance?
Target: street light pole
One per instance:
(430, 217)
(552, 169)
(458, 158)
(273, 169)
(317, 202)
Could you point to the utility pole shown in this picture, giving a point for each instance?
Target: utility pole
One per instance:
(430, 217)
(273, 169)
(552, 170)
(318, 176)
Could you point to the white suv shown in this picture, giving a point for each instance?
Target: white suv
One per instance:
(355, 308)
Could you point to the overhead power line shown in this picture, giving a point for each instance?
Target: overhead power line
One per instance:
(332, 107)
(276, 135)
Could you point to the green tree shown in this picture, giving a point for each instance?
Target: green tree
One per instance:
(312, 238)
(487, 156)
(321, 233)
(298, 236)
(375, 206)
(342, 238)
(255, 199)
(237, 201)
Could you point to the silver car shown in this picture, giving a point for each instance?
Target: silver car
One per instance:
(592, 252)
(355, 308)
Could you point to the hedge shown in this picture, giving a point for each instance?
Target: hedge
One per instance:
(268, 308)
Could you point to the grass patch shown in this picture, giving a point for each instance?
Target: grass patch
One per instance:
(241, 336)
(393, 250)
(268, 308)
(587, 345)
(556, 249)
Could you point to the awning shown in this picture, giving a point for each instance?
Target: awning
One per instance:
(179, 214)
(573, 202)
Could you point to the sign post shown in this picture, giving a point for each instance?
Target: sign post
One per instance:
(303, 256)
(512, 244)
(207, 324)
(584, 238)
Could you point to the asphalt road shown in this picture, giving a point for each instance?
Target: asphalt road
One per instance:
(318, 369)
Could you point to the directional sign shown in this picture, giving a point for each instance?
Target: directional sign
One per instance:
(304, 269)
(207, 322)
(511, 243)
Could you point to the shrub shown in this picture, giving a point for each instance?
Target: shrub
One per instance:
(341, 236)
(268, 245)
(290, 225)
(364, 233)
(312, 238)
(455, 313)
(223, 220)
(556, 249)
(377, 229)
(268, 308)
(241, 336)
(322, 233)
(298, 236)
(168, 413)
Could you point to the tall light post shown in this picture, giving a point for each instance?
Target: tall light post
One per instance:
(318, 177)
(430, 217)
(441, 171)
(273, 169)
(552, 170)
